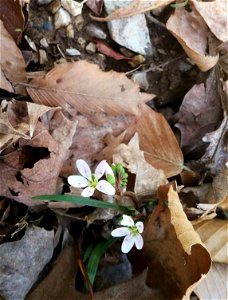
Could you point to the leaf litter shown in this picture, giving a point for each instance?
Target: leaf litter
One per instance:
(87, 108)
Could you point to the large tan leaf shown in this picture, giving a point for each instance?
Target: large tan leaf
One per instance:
(183, 24)
(12, 64)
(215, 15)
(213, 234)
(214, 286)
(135, 7)
(158, 142)
(173, 251)
(88, 90)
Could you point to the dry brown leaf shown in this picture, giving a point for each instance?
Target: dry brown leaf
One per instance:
(172, 250)
(214, 286)
(88, 90)
(213, 234)
(34, 112)
(135, 7)
(183, 24)
(12, 63)
(148, 179)
(157, 141)
(215, 15)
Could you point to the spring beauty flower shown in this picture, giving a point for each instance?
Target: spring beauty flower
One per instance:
(131, 231)
(91, 181)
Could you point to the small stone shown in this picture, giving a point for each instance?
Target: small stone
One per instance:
(42, 2)
(95, 32)
(43, 57)
(141, 79)
(44, 43)
(70, 31)
(73, 7)
(137, 60)
(62, 18)
(54, 6)
(73, 52)
(79, 22)
(132, 32)
(91, 48)
(81, 42)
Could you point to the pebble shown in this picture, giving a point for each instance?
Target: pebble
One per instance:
(82, 42)
(43, 57)
(73, 7)
(95, 32)
(70, 31)
(73, 52)
(42, 2)
(79, 22)
(91, 48)
(141, 79)
(62, 18)
(131, 32)
(44, 43)
(54, 6)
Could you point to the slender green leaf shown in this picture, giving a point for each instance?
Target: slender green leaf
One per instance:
(95, 257)
(179, 5)
(88, 252)
(83, 201)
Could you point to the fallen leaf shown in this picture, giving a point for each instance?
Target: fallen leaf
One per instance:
(108, 51)
(214, 286)
(95, 5)
(213, 234)
(182, 24)
(148, 179)
(83, 87)
(215, 15)
(157, 141)
(135, 7)
(12, 64)
(199, 113)
(173, 251)
(13, 19)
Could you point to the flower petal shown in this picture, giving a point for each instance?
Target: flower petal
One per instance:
(108, 170)
(121, 231)
(87, 192)
(78, 181)
(140, 226)
(138, 241)
(106, 187)
(100, 169)
(83, 168)
(127, 244)
(127, 221)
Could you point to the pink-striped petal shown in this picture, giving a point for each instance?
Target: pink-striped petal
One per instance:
(127, 244)
(87, 192)
(100, 169)
(138, 242)
(83, 168)
(127, 221)
(121, 231)
(106, 187)
(78, 181)
(140, 226)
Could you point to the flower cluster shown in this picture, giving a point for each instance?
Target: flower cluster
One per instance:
(131, 231)
(91, 181)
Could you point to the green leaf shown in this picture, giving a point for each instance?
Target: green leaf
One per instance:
(95, 257)
(82, 200)
(179, 5)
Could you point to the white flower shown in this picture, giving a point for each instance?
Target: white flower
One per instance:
(131, 233)
(91, 181)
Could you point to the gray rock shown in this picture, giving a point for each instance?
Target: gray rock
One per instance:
(96, 32)
(131, 32)
(91, 48)
(141, 79)
(42, 2)
(62, 18)
(73, 52)
(23, 260)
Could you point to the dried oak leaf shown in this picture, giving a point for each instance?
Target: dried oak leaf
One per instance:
(199, 113)
(183, 24)
(157, 141)
(135, 7)
(12, 16)
(173, 251)
(12, 64)
(215, 15)
(148, 179)
(213, 234)
(214, 286)
(33, 169)
(83, 87)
